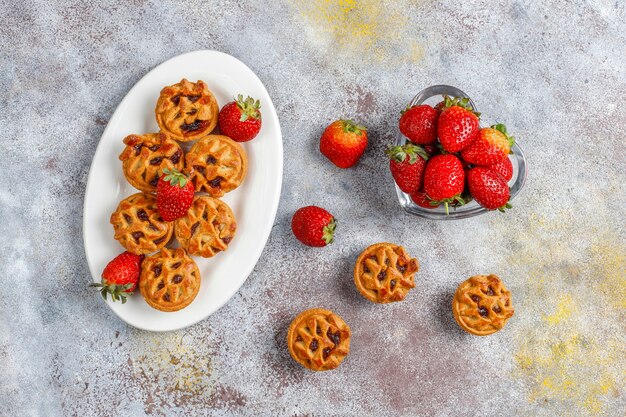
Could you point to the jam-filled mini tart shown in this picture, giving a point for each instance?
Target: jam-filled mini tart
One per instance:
(145, 157)
(482, 305)
(208, 227)
(318, 339)
(138, 225)
(187, 111)
(384, 273)
(170, 280)
(216, 164)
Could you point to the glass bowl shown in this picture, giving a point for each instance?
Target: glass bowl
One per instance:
(433, 95)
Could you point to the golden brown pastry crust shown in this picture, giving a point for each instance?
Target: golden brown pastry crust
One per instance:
(208, 227)
(170, 280)
(216, 164)
(145, 157)
(482, 305)
(138, 225)
(318, 339)
(187, 111)
(384, 273)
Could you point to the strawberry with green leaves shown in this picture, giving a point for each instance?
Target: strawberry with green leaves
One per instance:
(458, 124)
(343, 142)
(240, 119)
(120, 277)
(419, 124)
(491, 146)
(444, 180)
(174, 195)
(488, 188)
(407, 163)
(313, 226)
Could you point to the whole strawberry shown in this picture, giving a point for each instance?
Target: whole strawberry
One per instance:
(240, 119)
(492, 145)
(407, 165)
(444, 179)
(458, 124)
(120, 277)
(174, 195)
(488, 188)
(313, 226)
(343, 142)
(504, 168)
(419, 124)
(421, 199)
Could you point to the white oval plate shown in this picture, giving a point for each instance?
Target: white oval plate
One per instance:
(254, 203)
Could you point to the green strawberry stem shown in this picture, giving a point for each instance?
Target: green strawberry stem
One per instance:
(117, 292)
(328, 234)
(502, 128)
(463, 102)
(505, 207)
(249, 108)
(400, 153)
(349, 126)
(446, 201)
(174, 177)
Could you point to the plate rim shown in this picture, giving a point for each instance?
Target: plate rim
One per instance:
(275, 198)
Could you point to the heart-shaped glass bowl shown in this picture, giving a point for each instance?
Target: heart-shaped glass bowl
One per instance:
(433, 95)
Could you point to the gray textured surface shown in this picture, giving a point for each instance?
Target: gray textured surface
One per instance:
(552, 70)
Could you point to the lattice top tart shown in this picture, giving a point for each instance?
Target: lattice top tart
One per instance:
(187, 111)
(384, 273)
(318, 339)
(482, 305)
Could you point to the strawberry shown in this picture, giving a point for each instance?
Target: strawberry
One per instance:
(240, 119)
(504, 168)
(444, 179)
(458, 125)
(492, 145)
(174, 195)
(120, 276)
(421, 199)
(488, 188)
(432, 149)
(419, 124)
(343, 142)
(313, 226)
(407, 165)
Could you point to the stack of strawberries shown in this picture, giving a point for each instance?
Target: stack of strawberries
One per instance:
(450, 159)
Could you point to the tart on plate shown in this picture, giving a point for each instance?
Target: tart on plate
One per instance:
(216, 165)
(145, 157)
(208, 227)
(138, 225)
(170, 280)
(187, 111)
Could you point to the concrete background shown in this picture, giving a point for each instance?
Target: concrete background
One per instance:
(553, 71)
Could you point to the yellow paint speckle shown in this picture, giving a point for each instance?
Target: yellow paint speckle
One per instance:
(569, 350)
(564, 309)
(367, 28)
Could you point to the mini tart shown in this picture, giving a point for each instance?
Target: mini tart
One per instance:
(384, 273)
(187, 111)
(208, 227)
(138, 225)
(482, 305)
(216, 164)
(145, 157)
(169, 280)
(318, 339)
